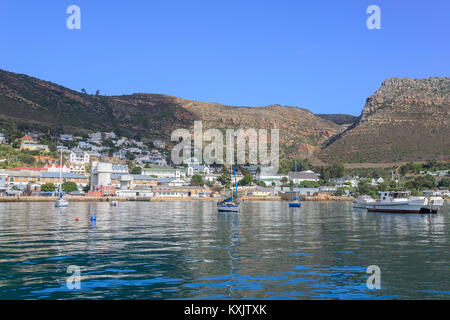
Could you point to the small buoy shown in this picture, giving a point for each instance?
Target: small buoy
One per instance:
(76, 219)
(93, 218)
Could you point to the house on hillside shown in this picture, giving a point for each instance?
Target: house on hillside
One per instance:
(78, 156)
(3, 139)
(66, 137)
(298, 177)
(32, 147)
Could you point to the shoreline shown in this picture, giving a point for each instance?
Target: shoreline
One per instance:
(163, 199)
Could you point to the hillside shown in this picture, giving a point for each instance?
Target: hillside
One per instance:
(40, 105)
(406, 119)
(339, 118)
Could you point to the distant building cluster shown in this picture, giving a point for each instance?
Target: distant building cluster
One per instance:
(104, 164)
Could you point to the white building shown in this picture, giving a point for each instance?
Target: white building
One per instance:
(95, 137)
(164, 172)
(79, 157)
(159, 144)
(66, 137)
(77, 168)
(303, 176)
(198, 169)
(56, 168)
(108, 135)
(3, 139)
(120, 168)
(100, 174)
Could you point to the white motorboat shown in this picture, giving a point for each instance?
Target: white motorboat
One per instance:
(402, 202)
(362, 201)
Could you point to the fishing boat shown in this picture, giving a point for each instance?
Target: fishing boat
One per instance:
(61, 203)
(362, 201)
(296, 200)
(402, 202)
(229, 204)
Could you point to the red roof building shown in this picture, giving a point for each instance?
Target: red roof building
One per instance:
(26, 139)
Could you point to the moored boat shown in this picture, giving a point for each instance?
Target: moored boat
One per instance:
(229, 205)
(362, 201)
(296, 200)
(61, 203)
(402, 202)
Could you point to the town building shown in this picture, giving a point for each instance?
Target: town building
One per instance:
(298, 177)
(3, 139)
(66, 137)
(164, 172)
(31, 147)
(56, 168)
(78, 156)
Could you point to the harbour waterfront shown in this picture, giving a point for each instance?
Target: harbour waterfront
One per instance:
(187, 250)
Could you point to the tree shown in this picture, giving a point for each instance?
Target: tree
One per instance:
(224, 179)
(262, 184)
(284, 180)
(336, 170)
(197, 180)
(97, 93)
(136, 170)
(309, 184)
(83, 91)
(444, 183)
(422, 182)
(340, 192)
(86, 188)
(27, 159)
(130, 156)
(48, 187)
(246, 181)
(52, 147)
(16, 144)
(69, 186)
(245, 171)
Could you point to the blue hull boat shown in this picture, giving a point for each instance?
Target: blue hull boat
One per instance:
(295, 205)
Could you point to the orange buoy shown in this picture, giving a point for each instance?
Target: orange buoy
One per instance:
(76, 219)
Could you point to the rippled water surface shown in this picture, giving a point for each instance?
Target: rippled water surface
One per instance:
(179, 250)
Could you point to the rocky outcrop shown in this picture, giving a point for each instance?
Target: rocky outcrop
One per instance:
(406, 119)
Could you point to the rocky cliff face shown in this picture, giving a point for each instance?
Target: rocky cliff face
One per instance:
(406, 119)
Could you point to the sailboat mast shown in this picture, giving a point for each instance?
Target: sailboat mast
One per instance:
(298, 182)
(235, 183)
(60, 168)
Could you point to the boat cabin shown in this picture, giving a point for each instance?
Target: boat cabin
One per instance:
(388, 196)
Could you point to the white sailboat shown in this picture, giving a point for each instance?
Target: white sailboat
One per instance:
(229, 205)
(60, 203)
(296, 201)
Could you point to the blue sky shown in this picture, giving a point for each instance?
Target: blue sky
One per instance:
(313, 54)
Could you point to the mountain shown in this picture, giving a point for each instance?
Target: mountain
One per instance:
(40, 105)
(339, 118)
(404, 120)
